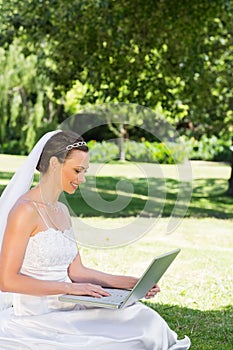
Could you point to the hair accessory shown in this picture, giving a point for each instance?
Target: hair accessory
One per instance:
(76, 145)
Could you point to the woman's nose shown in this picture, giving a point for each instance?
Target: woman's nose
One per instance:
(82, 178)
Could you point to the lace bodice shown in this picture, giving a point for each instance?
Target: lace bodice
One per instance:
(47, 257)
(50, 248)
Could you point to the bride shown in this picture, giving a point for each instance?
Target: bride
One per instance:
(40, 260)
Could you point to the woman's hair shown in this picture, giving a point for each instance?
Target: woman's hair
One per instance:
(57, 146)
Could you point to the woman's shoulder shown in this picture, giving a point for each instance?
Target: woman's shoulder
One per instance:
(22, 217)
(24, 206)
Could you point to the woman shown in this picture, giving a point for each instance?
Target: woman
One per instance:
(39, 261)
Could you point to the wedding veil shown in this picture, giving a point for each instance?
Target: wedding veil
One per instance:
(18, 185)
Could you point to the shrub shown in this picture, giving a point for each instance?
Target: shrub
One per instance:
(153, 152)
(205, 148)
(158, 152)
(102, 152)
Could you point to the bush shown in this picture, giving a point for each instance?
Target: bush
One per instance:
(152, 152)
(208, 148)
(102, 152)
(158, 152)
(155, 152)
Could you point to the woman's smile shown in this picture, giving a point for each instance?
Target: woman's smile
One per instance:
(75, 185)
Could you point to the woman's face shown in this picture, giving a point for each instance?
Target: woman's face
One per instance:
(73, 170)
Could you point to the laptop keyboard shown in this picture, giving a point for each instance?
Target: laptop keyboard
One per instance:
(116, 298)
(117, 295)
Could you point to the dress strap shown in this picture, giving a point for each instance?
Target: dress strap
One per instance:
(41, 214)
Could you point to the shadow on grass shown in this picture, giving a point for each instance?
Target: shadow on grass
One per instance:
(99, 197)
(208, 330)
(209, 198)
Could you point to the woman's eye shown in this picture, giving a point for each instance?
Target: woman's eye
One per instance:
(78, 171)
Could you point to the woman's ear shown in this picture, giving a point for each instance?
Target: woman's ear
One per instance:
(53, 163)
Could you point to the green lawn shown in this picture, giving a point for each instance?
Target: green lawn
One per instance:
(196, 292)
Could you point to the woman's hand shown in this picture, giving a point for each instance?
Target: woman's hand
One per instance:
(152, 292)
(90, 289)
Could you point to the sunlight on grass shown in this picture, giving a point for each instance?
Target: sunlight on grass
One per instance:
(201, 275)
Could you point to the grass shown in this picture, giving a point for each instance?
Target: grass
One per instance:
(196, 292)
(209, 195)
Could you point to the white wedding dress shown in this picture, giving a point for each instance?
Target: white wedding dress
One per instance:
(46, 323)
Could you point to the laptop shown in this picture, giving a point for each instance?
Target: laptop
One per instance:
(121, 298)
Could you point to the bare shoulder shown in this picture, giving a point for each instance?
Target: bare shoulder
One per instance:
(23, 208)
(22, 219)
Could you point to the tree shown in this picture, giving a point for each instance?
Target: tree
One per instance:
(178, 53)
(25, 107)
(230, 181)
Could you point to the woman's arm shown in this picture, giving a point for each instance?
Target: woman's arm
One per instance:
(20, 225)
(79, 273)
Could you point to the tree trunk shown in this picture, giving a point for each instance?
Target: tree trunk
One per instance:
(230, 181)
(121, 148)
(121, 142)
(230, 187)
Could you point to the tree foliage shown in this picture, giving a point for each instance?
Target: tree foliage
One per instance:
(176, 53)
(26, 105)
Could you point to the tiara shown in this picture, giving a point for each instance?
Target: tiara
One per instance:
(76, 145)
